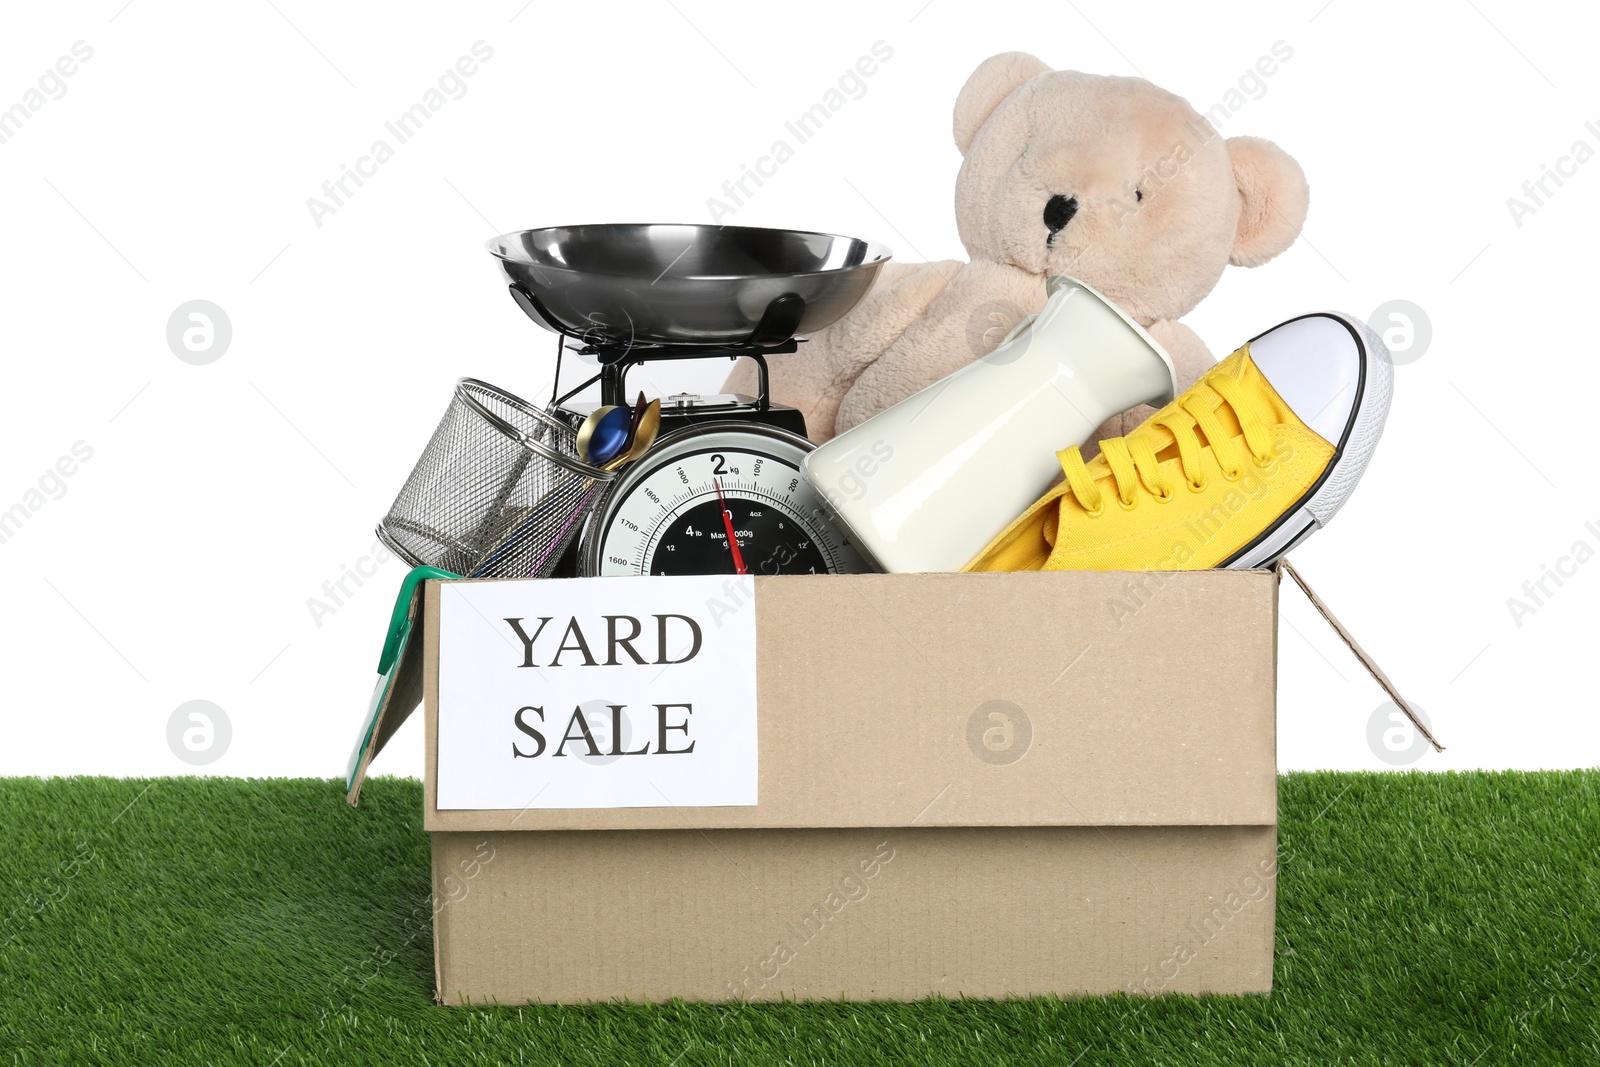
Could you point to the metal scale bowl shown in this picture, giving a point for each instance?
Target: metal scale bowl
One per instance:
(630, 293)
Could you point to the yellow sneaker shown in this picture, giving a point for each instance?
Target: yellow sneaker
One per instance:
(1259, 452)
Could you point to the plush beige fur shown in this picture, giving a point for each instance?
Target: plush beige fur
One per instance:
(1164, 203)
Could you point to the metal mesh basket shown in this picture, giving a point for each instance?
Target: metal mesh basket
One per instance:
(499, 492)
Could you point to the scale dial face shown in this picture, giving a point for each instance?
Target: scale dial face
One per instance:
(663, 515)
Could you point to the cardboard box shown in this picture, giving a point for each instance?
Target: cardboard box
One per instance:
(975, 785)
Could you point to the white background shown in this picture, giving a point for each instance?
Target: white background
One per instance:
(179, 563)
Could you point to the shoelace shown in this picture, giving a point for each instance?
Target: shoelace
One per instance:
(1132, 459)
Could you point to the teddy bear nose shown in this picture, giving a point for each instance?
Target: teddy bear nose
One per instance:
(1058, 211)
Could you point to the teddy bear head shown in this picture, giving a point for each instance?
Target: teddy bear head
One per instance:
(1116, 182)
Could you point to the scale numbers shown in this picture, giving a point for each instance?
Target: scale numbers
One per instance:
(665, 516)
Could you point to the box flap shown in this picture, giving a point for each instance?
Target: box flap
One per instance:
(1068, 698)
(1283, 567)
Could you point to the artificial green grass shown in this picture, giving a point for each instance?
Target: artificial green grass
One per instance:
(1422, 919)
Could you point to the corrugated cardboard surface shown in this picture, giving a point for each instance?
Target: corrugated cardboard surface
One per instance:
(1150, 699)
(1130, 847)
(573, 916)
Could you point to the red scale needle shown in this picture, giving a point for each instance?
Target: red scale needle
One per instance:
(727, 524)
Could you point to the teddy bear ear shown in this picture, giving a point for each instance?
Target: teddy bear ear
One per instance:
(995, 79)
(1275, 198)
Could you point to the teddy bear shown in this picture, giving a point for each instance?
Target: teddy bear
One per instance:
(1111, 180)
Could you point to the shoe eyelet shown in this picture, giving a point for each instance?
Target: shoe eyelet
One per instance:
(1233, 475)
(1096, 513)
(1263, 462)
(1197, 487)
(1127, 505)
(1168, 495)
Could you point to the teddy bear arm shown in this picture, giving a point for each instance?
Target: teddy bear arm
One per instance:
(743, 377)
(966, 322)
(895, 271)
(815, 378)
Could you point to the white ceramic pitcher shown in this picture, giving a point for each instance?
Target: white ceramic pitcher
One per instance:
(926, 484)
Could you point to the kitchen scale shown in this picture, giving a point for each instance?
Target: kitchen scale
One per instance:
(720, 492)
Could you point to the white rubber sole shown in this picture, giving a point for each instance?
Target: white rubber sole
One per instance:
(1351, 454)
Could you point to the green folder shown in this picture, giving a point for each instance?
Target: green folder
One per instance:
(389, 688)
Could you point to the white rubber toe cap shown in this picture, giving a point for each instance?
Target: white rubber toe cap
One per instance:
(1315, 365)
(1337, 376)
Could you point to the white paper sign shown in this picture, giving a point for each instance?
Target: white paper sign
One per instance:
(598, 693)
